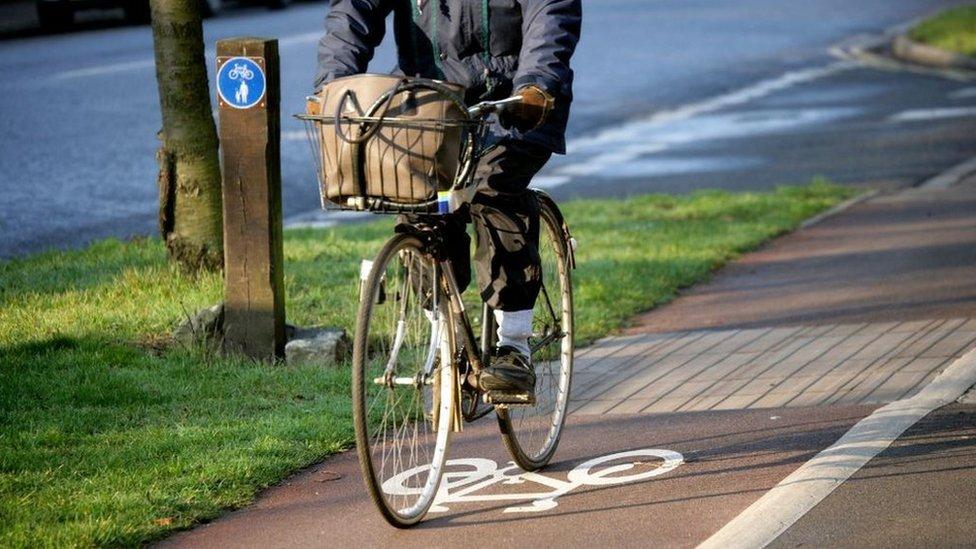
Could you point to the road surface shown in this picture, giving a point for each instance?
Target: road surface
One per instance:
(751, 95)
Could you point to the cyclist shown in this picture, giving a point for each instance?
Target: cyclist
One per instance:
(494, 48)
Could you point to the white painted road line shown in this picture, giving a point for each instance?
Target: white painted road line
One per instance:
(323, 219)
(778, 509)
(631, 132)
(98, 70)
(294, 135)
(964, 93)
(920, 115)
(634, 139)
(149, 63)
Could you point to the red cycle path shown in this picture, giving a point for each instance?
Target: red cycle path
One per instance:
(731, 459)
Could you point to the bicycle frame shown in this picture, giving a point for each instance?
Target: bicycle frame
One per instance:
(479, 355)
(470, 344)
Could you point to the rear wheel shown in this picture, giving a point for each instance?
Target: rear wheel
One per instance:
(404, 384)
(531, 433)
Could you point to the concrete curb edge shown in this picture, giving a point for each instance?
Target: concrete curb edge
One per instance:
(850, 202)
(906, 49)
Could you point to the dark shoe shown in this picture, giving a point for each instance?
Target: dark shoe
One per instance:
(510, 373)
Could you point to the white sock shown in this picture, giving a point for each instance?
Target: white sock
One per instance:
(514, 329)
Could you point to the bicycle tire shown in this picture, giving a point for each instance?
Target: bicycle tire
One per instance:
(531, 433)
(426, 416)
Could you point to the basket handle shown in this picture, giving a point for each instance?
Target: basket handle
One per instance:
(384, 104)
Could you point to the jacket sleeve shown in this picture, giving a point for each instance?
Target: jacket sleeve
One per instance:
(353, 30)
(550, 31)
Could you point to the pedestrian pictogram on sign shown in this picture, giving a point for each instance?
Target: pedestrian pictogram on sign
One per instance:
(240, 82)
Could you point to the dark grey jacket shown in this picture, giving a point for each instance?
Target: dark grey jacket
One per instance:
(489, 46)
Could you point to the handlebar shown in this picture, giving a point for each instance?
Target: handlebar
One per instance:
(487, 107)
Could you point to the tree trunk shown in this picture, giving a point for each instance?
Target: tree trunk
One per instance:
(189, 170)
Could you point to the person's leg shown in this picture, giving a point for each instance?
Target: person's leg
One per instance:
(506, 219)
(458, 245)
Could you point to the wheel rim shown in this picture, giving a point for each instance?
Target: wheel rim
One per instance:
(405, 395)
(535, 429)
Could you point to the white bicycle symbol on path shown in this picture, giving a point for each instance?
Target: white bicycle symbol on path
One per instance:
(463, 478)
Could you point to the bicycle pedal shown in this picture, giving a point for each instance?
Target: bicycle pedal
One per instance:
(497, 398)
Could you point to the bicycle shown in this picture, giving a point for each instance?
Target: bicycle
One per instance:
(416, 358)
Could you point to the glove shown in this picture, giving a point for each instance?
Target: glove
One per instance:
(530, 113)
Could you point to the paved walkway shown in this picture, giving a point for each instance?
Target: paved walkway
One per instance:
(865, 308)
(863, 363)
(900, 257)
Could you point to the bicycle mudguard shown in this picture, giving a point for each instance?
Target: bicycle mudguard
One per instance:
(571, 243)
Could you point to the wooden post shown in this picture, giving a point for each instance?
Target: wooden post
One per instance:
(250, 131)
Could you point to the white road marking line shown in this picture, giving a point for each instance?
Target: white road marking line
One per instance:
(631, 131)
(630, 140)
(304, 38)
(549, 181)
(149, 63)
(964, 93)
(778, 509)
(951, 176)
(918, 115)
(99, 70)
(321, 219)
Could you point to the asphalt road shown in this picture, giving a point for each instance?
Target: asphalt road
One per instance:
(79, 110)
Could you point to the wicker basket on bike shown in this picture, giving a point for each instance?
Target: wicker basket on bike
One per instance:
(389, 144)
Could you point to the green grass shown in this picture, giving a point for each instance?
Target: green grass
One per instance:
(953, 30)
(110, 435)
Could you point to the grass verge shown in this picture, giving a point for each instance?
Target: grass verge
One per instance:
(109, 436)
(952, 30)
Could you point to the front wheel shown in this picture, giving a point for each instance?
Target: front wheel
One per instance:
(404, 383)
(531, 433)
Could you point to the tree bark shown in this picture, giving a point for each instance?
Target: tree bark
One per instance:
(189, 170)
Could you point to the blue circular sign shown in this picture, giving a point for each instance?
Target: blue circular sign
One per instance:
(240, 82)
